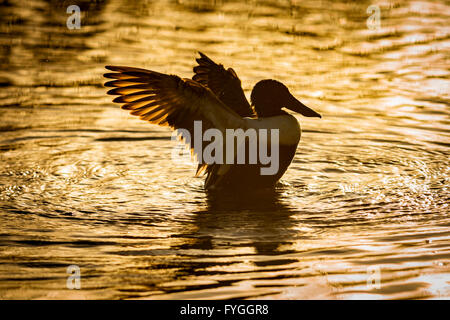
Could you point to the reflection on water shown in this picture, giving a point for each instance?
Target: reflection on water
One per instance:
(84, 183)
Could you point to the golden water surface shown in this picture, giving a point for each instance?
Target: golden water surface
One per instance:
(84, 183)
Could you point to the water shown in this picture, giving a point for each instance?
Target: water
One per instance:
(84, 183)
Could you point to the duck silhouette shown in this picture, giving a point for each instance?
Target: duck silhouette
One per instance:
(214, 97)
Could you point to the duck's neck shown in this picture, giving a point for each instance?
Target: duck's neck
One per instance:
(265, 111)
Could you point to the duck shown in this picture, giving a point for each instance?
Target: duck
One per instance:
(214, 99)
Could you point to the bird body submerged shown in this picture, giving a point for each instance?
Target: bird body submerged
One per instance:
(215, 100)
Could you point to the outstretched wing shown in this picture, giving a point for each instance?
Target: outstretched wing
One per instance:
(224, 83)
(168, 100)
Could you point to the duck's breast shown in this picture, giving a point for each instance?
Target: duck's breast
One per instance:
(249, 175)
(288, 126)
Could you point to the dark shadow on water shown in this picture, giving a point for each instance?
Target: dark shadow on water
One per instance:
(259, 219)
(269, 199)
(260, 216)
(255, 226)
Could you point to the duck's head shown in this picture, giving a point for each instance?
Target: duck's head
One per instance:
(269, 96)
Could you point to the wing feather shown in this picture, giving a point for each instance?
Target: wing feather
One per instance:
(225, 84)
(168, 100)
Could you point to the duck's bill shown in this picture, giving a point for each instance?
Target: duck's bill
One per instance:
(299, 107)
